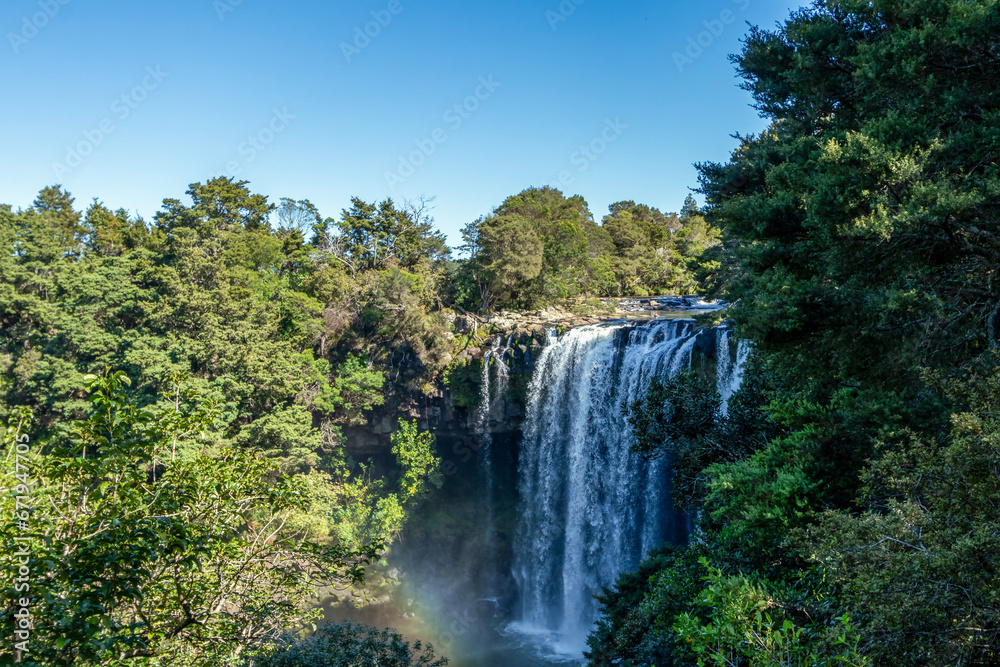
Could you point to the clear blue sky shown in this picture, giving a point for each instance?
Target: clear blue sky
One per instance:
(130, 102)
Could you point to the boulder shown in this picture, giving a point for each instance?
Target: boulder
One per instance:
(465, 325)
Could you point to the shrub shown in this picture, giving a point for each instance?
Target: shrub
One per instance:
(353, 645)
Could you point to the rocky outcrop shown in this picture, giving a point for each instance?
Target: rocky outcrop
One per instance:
(687, 304)
(531, 323)
(449, 409)
(598, 310)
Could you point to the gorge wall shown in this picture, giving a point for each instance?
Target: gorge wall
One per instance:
(452, 411)
(543, 502)
(588, 507)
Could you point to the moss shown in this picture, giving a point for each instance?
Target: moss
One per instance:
(464, 379)
(517, 390)
(461, 342)
(710, 319)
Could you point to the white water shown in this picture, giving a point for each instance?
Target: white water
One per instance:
(730, 374)
(491, 399)
(589, 508)
(490, 396)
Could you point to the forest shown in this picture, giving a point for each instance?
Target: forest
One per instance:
(163, 374)
(848, 501)
(175, 390)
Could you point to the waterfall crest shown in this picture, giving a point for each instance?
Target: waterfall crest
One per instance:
(589, 508)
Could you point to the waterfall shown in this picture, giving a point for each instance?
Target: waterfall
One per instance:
(729, 374)
(503, 372)
(490, 398)
(485, 395)
(589, 508)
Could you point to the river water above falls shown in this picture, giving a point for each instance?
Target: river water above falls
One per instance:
(535, 523)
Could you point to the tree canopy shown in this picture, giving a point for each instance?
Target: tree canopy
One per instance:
(186, 381)
(860, 238)
(540, 247)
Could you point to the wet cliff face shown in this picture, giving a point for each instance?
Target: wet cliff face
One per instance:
(457, 561)
(451, 410)
(589, 507)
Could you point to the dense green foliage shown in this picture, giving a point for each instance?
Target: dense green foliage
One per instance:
(846, 501)
(351, 645)
(185, 382)
(122, 554)
(852, 518)
(415, 453)
(540, 247)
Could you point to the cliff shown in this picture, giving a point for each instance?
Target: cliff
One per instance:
(450, 408)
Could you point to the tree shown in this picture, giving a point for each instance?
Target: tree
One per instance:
(373, 235)
(696, 235)
(353, 645)
(561, 224)
(508, 256)
(56, 206)
(531, 250)
(414, 451)
(299, 216)
(866, 221)
(297, 222)
(920, 565)
(863, 225)
(135, 560)
(112, 233)
(220, 205)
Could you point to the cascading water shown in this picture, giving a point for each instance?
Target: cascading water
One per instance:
(490, 399)
(730, 374)
(494, 360)
(590, 508)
